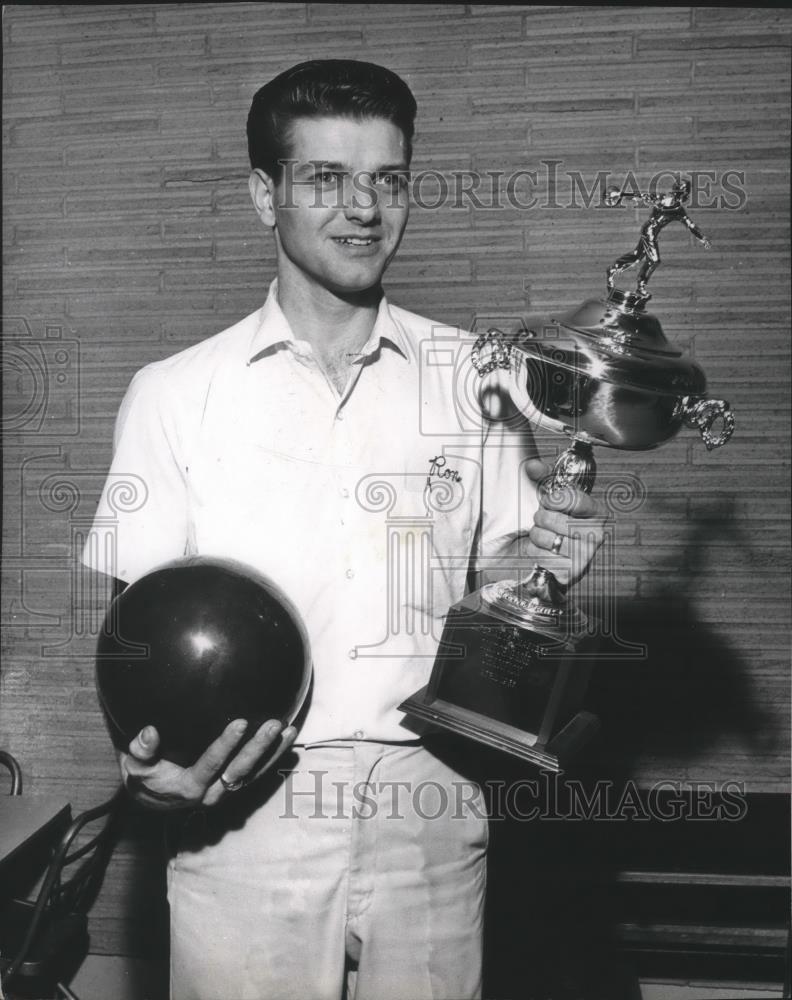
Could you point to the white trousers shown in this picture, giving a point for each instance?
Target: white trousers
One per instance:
(361, 876)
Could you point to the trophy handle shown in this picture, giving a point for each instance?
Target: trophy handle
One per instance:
(702, 413)
(499, 354)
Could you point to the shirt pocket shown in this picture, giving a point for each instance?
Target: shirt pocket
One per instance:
(262, 507)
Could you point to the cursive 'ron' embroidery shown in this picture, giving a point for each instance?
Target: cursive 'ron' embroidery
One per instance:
(438, 470)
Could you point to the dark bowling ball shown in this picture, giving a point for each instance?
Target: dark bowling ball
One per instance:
(195, 644)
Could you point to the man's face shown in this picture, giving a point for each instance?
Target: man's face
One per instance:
(340, 210)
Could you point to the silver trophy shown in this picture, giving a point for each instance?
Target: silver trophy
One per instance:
(603, 374)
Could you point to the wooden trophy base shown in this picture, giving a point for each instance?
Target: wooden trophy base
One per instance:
(509, 681)
(552, 756)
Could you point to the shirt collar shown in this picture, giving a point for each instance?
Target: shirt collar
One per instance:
(273, 330)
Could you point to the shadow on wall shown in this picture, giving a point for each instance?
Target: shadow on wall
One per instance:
(693, 691)
(554, 905)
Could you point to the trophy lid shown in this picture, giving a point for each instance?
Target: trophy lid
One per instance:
(614, 340)
(619, 324)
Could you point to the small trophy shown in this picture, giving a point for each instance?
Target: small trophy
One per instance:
(515, 657)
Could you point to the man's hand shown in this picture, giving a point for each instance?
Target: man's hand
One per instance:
(161, 784)
(571, 519)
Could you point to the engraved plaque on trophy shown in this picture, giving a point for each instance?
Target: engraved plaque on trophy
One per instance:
(514, 658)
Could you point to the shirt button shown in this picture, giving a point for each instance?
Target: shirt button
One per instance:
(349, 574)
(339, 415)
(358, 734)
(344, 492)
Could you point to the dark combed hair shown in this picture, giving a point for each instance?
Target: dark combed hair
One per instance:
(324, 87)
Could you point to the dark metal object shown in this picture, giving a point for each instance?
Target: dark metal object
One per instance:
(43, 940)
(12, 764)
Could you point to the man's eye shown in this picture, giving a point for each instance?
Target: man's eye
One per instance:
(327, 178)
(392, 180)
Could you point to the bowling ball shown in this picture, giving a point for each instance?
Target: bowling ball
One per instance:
(195, 644)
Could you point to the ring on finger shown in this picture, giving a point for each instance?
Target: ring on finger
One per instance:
(556, 544)
(230, 785)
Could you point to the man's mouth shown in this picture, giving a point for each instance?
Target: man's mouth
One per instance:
(355, 241)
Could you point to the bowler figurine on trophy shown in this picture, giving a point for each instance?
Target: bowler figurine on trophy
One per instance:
(514, 658)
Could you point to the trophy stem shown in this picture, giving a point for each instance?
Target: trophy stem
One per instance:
(575, 467)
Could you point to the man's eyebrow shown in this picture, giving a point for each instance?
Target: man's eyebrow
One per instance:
(327, 165)
(310, 167)
(400, 167)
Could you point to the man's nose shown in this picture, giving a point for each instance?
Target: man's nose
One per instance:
(362, 199)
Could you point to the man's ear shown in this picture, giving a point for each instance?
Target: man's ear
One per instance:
(262, 191)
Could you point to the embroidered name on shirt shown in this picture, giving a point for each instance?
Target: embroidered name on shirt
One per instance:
(437, 468)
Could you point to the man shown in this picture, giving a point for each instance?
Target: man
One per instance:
(310, 441)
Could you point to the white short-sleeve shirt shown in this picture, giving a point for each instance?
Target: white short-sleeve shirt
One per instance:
(368, 508)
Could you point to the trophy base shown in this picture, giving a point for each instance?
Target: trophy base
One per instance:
(512, 676)
(551, 756)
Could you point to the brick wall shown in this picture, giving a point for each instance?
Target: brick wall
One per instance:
(129, 234)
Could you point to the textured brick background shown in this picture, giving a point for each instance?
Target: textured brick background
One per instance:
(129, 234)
